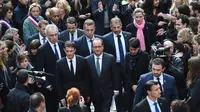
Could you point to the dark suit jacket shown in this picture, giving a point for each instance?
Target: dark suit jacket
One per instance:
(194, 91)
(135, 65)
(46, 59)
(109, 44)
(108, 80)
(64, 35)
(143, 106)
(98, 16)
(66, 80)
(82, 46)
(74, 108)
(149, 33)
(35, 36)
(170, 90)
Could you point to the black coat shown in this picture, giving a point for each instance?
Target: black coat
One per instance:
(64, 35)
(135, 65)
(74, 108)
(194, 91)
(65, 80)
(148, 31)
(18, 99)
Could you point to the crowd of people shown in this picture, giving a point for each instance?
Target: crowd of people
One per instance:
(64, 55)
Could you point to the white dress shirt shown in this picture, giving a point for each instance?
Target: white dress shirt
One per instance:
(117, 46)
(57, 47)
(89, 43)
(73, 62)
(100, 60)
(161, 81)
(152, 106)
(41, 39)
(75, 35)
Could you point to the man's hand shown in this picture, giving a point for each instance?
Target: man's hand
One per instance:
(134, 87)
(100, 5)
(63, 102)
(160, 32)
(81, 100)
(116, 94)
(114, 7)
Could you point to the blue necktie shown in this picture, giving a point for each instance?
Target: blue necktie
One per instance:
(160, 86)
(43, 39)
(120, 50)
(98, 67)
(56, 52)
(156, 107)
(72, 37)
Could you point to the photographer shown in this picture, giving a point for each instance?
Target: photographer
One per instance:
(174, 67)
(136, 63)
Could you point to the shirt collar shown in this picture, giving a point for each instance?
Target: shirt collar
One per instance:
(52, 43)
(100, 57)
(161, 78)
(73, 59)
(151, 103)
(89, 39)
(116, 34)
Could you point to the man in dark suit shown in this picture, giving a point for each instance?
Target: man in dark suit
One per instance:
(116, 43)
(46, 59)
(71, 71)
(84, 43)
(72, 32)
(102, 12)
(153, 102)
(41, 35)
(104, 77)
(167, 83)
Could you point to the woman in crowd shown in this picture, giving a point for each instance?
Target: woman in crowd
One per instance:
(33, 50)
(193, 24)
(6, 20)
(193, 82)
(81, 9)
(65, 9)
(177, 3)
(22, 61)
(75, 102)
(30, 25)
(142, 30)
(196, 45)
(4, 75)
(179, 106)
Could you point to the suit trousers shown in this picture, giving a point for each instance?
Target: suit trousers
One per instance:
(120, 103)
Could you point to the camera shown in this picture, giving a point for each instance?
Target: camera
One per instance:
(159, 51)
(37, 76)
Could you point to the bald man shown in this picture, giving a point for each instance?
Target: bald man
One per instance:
(174, 67)
(55, 18)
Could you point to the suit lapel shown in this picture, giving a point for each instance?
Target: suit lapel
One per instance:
(86, 45)
(126, 41)
(104, 63)
(147, 106)
(66, 64)
(164, 84)
(113, 43)
(161, 105)
(50, 50)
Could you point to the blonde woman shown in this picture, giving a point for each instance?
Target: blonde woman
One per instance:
(30, 25)
(65, 9)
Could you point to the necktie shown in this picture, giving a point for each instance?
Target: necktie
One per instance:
(71, 66)
(98, 66)
(56, 52)
(120, 49)
(156, 107)
(160, 85)
(91, 46)
(72, 37)
(43, 39)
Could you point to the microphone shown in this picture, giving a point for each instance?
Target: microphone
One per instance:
(40, 73)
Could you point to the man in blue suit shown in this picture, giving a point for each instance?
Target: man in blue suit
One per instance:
(167, 83)
(116, 43)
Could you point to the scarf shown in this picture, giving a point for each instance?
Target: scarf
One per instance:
(140, 34)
